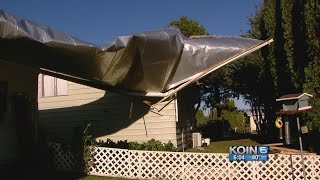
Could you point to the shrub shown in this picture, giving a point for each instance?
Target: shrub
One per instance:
(151, 145)
(110, 144)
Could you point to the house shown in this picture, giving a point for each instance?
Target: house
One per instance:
(250, 125)
(18, 111)
(66, 106)
(158, 63)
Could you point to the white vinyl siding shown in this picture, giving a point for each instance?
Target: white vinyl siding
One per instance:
(52, 86)
(108, 114)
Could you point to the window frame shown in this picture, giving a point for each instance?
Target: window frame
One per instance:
(55, 87)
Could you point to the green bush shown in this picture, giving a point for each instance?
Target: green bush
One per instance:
(151, 145)
(111, 144)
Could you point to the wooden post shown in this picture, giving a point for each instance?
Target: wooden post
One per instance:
(301, 148)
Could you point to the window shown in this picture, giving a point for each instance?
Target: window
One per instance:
(52, 86)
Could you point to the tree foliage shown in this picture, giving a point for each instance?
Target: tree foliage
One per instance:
(234, 119)
(201, 118)
(312, 85)
(289, 65)
(189, 27)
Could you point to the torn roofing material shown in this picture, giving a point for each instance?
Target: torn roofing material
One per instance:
(152, 63)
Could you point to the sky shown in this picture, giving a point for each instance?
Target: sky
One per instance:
(100, 22)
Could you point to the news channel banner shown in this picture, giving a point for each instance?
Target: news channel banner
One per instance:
(248, 153)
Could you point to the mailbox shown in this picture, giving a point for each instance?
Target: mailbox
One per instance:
(295, 102)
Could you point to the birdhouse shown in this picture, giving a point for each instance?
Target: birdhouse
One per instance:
(295, 102)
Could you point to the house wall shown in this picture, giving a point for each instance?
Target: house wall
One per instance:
(250, 124)
(108, 113)
(18, 123)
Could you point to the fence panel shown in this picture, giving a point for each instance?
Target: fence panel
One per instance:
(277, 167)
(206, 166)
(177, 165)
(316, 167)
(309, 164)
(110, 162)
(62, 157)
(156, 165)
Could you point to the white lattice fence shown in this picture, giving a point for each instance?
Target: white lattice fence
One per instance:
(205, 166)
(178, 165)
(111, 162)
(62, 157)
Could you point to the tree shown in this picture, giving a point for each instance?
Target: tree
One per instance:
(312, 86)
(248, 80)
(189, 27)
(201, 118)
(231, 118)
(286, 66)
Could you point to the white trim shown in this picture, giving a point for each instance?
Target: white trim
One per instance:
(304, 108)
(284, 99)
(176, 106)
(147, 94)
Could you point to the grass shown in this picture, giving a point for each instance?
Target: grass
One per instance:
(223, 146)
(32, 173)
(67, 176)
(99, 178)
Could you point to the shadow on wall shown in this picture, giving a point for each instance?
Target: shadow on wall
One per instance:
(107, 115)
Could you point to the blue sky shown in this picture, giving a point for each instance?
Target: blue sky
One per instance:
(101, 21)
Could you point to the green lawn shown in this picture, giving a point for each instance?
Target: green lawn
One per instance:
(84, 177)
(99, 178)
(49, 175)
(67, 176)
(223, 146)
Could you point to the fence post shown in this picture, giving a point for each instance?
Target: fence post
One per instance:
(129, 164)
(254, 170)
(183, 169)
(292, 166)
(313, 167)
(140, 164)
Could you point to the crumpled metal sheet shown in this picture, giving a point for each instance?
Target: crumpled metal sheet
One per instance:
(199, 54)
(148, 62)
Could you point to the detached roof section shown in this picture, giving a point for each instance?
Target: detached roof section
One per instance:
(151, 63)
